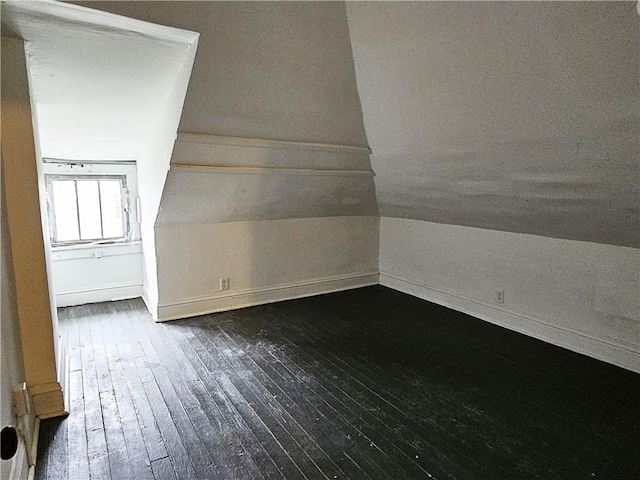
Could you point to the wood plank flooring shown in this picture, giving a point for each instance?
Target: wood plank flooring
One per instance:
(364, 384)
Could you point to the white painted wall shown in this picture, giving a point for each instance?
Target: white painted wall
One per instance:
(265, 261)
(513, 116)
(226, 179)
(153, 165)
(279, 219)
(580, 295)
(277, 72)
(11, 366)
(97, 273)
(89, 274)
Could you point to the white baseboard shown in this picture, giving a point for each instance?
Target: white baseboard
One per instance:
(63, 372)
(98, 294)
(246, 298)
(621, 355)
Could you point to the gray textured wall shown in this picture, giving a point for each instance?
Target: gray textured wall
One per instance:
(277, 70)
(518, 116)
(12, 367)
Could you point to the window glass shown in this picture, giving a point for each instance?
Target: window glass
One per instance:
(111, 202)
(89, 209)
(86, 208)
(66, 216)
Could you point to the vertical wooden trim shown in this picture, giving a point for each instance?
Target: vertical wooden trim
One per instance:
(20, 182)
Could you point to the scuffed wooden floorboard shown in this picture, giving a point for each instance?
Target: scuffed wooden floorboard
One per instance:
(364, 384)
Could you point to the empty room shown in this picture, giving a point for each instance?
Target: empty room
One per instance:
(320, 240)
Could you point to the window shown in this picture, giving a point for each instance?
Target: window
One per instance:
(89, 204)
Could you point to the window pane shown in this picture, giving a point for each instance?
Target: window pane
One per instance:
(65, 210)
(89, 205)
(111, 208)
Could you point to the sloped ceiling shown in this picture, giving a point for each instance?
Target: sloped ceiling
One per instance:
(514, 116)
(99, 81)
(274, 70)
(264, 70)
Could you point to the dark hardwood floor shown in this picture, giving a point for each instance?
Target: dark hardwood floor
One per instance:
(368, 383)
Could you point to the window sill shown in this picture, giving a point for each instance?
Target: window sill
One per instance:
(74, 252)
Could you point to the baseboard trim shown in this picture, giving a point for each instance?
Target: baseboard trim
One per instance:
(63, 373)
(100, 294)
(251, 297)
(621, 355)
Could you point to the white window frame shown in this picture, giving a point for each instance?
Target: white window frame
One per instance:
(58, 169)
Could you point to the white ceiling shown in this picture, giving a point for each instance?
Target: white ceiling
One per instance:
(99, 81)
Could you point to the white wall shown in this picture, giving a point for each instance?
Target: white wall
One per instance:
(517, 117)
(12, 367)
(268, 75)
(153, 165)
(265, 261)
(89, 274)
(279, 219)
(226, 179)
(580, 295)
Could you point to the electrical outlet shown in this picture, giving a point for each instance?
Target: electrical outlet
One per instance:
(224, 283)
(498, 296)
